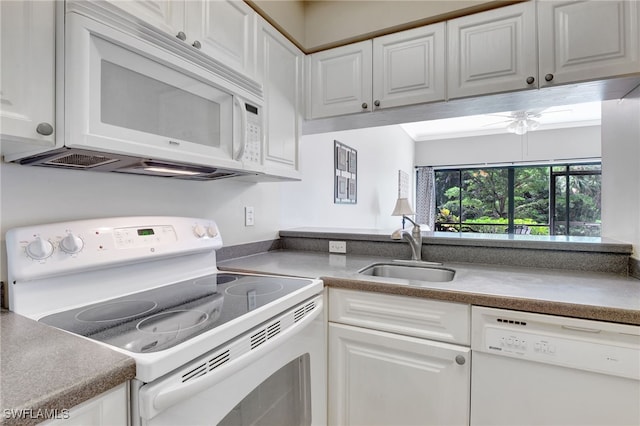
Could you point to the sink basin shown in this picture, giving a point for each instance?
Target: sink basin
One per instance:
(409, 271)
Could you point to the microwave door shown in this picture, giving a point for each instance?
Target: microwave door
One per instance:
(128, 102)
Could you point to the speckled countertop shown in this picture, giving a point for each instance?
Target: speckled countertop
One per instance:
(44, 368)
(586, 295)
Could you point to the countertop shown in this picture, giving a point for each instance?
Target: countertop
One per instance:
(45, 368)
(587, 295)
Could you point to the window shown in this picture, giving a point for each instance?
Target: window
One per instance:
(538, 200)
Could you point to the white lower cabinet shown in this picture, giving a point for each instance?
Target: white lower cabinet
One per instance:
(107, 409)
(388, 378)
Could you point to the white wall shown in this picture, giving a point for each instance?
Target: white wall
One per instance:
(539, 145)
(621, 170)
(382, 151)
(318, 24)
(33, 195)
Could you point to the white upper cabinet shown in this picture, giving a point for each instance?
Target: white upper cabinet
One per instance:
(224, 30)
(166, 15)
(27, 94)
(399, 69)
(340, 80)
(493, 51)
(281, 70)
(588, 40)
(409, 67)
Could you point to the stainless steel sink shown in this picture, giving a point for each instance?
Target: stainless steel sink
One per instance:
(416, 271)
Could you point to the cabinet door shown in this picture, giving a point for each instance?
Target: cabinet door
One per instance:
(166, 15)
(281, 72)
(587, 40)
(378, 378)
(492, 52)
(109, 408)
(410, 316)
(341, 80)
(225, 30)
(409, 67)
(27, 84)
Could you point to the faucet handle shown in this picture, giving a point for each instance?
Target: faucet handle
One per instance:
(397, 234)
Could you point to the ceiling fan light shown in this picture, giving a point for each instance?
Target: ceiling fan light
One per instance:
(521, 127)
(532, 124)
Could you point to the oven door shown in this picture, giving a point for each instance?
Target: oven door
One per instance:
(124, 95)
(273, 374)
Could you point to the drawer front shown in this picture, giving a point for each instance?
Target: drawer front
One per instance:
(410, 316)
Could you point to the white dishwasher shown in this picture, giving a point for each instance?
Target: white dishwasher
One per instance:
(533, 369)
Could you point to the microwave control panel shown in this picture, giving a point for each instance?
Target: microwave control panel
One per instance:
(253, 135)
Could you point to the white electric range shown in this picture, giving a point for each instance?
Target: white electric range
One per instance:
(150, 288)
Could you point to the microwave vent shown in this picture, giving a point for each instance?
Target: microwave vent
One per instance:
(81, 161)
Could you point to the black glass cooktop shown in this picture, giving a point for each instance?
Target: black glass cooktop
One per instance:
(157, 319)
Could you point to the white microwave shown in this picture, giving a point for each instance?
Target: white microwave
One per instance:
(135, 106)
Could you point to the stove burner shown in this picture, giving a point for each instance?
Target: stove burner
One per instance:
(172, 321)
(260, 288)
(116, 311)
(215, 279)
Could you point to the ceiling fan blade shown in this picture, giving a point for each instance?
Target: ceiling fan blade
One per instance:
(553, 112)
(505, 115)
(497, 122)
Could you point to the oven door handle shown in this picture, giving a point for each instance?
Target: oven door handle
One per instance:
(155, 399)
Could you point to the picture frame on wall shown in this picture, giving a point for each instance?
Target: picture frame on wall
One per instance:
(345, 174)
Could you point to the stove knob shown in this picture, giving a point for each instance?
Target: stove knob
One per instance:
(71, 244)
(39, 249)
(212, 231)
(199, 231)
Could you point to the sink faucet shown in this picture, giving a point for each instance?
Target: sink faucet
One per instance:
(414, 238)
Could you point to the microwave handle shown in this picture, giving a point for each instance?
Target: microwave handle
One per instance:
(243, 128)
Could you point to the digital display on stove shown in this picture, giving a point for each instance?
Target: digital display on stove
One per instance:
(145, 232)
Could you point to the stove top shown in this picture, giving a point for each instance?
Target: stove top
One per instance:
(160, 318)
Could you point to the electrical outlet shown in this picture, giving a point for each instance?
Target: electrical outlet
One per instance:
(337, 246)
(248, 216)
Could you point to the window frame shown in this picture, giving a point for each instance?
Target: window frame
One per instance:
(511, 225)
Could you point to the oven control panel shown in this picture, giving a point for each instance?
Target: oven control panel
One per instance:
(59, 248)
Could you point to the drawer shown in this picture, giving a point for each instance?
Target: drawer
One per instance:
(410, 316)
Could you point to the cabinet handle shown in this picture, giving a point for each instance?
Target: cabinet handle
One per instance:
(548, 77)
(45, 129)
(530, 80)
(376, 103)
(197, 44)
(460, 360)
(181, 35)
(364, 105)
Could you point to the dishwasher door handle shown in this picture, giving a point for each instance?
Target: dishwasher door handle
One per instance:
(582, 329)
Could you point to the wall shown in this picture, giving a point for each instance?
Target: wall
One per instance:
(316, 25)
(286, 15)
(328, 22)
(539, 145)
(382, 151)
(621, 170)
(32, 195)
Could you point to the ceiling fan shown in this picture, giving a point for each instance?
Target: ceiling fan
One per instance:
(520, 122)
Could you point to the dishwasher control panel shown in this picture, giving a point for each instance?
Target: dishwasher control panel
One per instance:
(575, 343)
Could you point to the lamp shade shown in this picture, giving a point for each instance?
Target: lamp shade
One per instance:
(402, 208)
